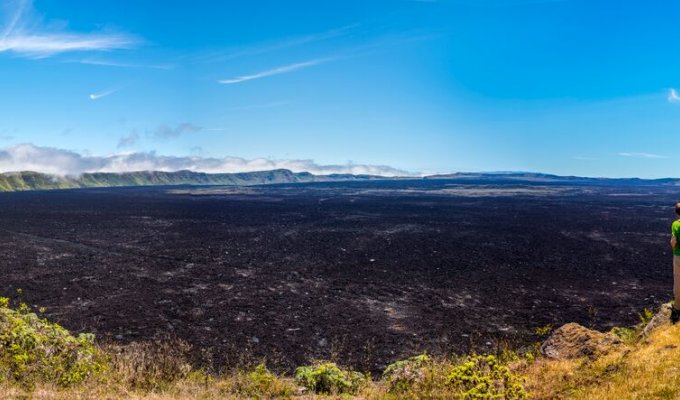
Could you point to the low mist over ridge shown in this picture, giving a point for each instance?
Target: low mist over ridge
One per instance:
(61, 162)
(30, 180)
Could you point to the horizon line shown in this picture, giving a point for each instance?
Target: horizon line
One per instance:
(415, 176)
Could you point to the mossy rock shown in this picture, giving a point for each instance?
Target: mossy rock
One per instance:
(573, 341)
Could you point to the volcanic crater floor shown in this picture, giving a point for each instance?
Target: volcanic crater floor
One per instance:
(362, 273)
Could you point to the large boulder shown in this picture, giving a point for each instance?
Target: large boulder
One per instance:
(573, 340)
(661, 318)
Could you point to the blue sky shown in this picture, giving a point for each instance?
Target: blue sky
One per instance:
(568, 87)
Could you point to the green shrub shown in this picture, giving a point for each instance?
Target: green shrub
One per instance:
(329, 378)
(34, 350)
(627, 335)
(261, 384)
(631, 335)
(645, 317)
(261, 378)
(484, 377)
(402, 375)
(543, 331)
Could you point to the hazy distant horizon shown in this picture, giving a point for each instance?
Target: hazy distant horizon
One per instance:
(337, 170)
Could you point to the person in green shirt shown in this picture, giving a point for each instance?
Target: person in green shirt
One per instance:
(675, 245)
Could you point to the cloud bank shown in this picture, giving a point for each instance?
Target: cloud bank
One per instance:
(28, 157)
(24, 32)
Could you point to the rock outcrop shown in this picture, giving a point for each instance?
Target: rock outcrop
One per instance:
(661, 318)
(573, 340)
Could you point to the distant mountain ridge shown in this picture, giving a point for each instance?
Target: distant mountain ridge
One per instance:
(29, 180)
(537, 177)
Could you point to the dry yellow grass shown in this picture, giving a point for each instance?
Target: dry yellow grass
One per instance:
(216, 389)
(649, 369)
(222, 389)
(235, 386)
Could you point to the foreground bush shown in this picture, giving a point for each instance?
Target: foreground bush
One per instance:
(485, 377)
(261, 383)
(150, 365)
(402, 375)
(329, 378)
(33, 350)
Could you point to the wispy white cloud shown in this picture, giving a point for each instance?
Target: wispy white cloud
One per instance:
(129, 140)
(642, 155)
(673, 96)
(165, 131)
(264, 48)
(108, 63)
(28, 157)
(25, 33)
(272, 104)
(41, 46)
(367, 49)
(99, 95)
(275, 71)
(492, 3)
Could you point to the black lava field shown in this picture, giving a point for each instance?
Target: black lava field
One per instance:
(361, 273)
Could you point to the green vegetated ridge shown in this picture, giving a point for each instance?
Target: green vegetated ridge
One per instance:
(28, 180)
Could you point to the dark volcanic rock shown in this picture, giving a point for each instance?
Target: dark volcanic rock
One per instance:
(365, 273)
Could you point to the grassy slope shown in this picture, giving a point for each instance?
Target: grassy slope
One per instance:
(649, 369)
(645, 370)
(30, 181)
(41, 360)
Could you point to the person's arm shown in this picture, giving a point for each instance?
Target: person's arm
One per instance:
(674, 241)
